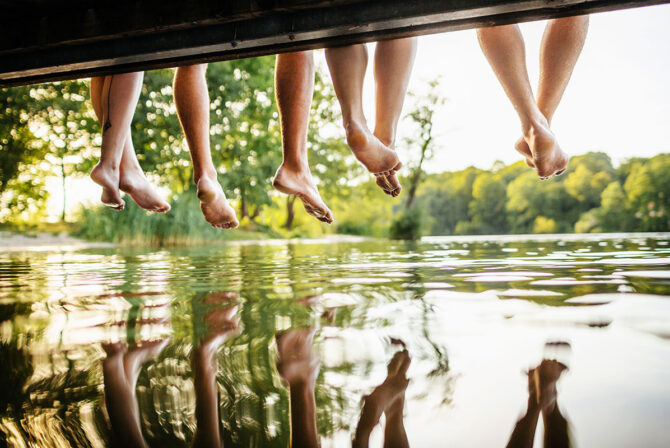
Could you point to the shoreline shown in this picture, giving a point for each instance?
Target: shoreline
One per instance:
(11, 241)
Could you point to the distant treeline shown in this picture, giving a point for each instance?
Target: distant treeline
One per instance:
(592, 196)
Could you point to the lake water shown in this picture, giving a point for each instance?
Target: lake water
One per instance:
(159, 346)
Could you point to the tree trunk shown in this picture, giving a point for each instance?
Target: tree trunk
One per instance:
(256, 213)
(416, 177)
(62, 175)
(244, 208)
(290, 212)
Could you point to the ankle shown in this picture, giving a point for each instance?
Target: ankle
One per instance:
(294, 166)
(386, 136)
(535, 126)
(209, 174)
(357, 133)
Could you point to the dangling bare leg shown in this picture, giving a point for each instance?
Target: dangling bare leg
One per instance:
(562, 44)
(222, 325)
(192, 101)
(393, 65)
(347, 68)
(388, 398)
(299, 367)
(131, 177)
(505, 50)
(294, 86)
(118, 100)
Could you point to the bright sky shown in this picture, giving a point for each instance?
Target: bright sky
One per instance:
(618, 100)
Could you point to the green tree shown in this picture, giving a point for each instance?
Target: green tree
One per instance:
(422, 118)
(487, 208)
(67, 124)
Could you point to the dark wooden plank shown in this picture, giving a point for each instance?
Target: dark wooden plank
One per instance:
(218, 30)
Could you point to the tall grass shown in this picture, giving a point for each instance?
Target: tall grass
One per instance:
(182, 225)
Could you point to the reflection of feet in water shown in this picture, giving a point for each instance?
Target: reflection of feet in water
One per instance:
(297, 361)
(542, 400)
(388, 398)
(133, 359)
(543, 380)
(221, 323)
(120, 370)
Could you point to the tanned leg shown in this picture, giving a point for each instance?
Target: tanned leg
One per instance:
(562, 44)
(347, 68)
(118, 98)
(294, 86)
(505, 50)
(192, 101)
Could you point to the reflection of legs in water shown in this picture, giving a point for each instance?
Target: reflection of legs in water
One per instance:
(389, 398)
(131, 178)
(393, 64)
(561, 45)
(192, 100)
(542, 398)
(221, 325)
(294, 85)
(299, 366)
(120, 372)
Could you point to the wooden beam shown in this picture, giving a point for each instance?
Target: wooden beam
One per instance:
(83, 38)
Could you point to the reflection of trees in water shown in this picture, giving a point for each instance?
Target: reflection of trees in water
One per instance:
(52, 382)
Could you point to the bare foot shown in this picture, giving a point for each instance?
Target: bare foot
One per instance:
(214, 205)
(522, 148)
(297, 362)
(548, 159)
(108, 179)
(133, 182)
(378, 158)
(301, 184)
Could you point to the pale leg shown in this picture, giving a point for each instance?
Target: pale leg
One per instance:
(347, 68)
(192, 101)
(562, 44)
(393, 65)
(117, 100)
(505, 51)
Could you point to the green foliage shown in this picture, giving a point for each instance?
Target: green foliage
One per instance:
(50, 130)
(407, 224)
(591, 197)
(544, 225)
(183, 225)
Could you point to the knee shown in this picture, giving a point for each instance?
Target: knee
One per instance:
(191, 70)
(301, 59)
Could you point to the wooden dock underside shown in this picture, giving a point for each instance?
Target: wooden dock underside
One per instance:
(43, 40)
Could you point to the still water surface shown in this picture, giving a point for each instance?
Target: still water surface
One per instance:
(165, 346)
